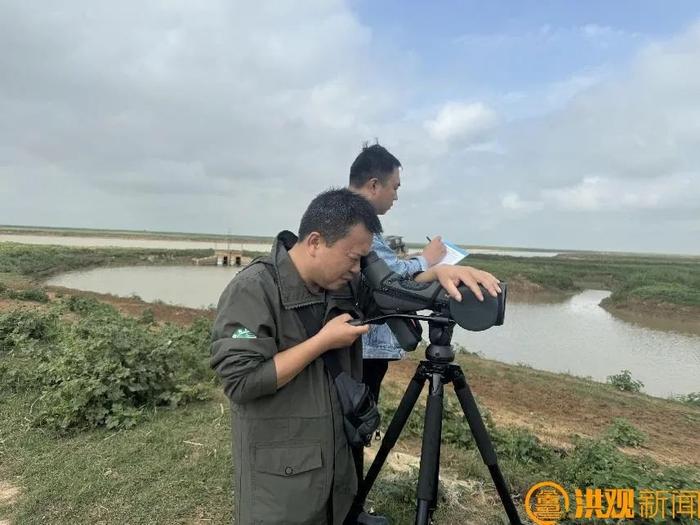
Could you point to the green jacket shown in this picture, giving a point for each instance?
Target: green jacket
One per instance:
(292, 462)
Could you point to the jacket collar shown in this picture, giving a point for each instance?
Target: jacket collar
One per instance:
(293, 291)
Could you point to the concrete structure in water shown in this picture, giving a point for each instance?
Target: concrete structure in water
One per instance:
(223, 258)
(229, 257)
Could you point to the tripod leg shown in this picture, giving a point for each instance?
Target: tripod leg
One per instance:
(483, 442)
(430, 452)
(393, 431)
(433, 504)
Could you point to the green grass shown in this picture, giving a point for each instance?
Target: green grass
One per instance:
(673, 280)
(167, 465)
(151, 475)
(40, 261)
(148, 474)
(174, 466)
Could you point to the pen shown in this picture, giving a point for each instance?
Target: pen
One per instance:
(428, 238)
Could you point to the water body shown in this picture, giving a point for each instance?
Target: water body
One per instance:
(580, 337)
(191, 286)
(575, 336)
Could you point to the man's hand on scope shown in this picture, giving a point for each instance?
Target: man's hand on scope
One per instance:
(451, 276)
(338, 333)
(435, 251)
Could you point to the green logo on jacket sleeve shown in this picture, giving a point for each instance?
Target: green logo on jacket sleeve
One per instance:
(243, 333)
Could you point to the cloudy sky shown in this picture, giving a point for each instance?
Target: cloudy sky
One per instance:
(531, 123)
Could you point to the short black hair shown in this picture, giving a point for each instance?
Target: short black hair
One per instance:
(374, 161)
(334, 212)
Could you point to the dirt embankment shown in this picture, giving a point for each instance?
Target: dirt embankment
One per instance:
(522, 290)
(135, 307)
(656, 314)
(556, 407)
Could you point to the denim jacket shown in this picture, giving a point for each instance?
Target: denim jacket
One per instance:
(379, 342)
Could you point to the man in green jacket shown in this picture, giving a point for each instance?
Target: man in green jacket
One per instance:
(292, 461)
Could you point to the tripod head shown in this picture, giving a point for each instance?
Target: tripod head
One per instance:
(440, 328)
(440, 349)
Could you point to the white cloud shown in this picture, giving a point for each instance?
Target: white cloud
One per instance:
(186, 98)
(212, 116)
(602, 33)
(468, 122)
(678, 191)
(512, 201)
(644, 122)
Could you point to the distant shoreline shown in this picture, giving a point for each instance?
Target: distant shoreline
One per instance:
(234, 238)
(129, 234)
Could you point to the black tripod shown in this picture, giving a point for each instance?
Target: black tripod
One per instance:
(438, 370)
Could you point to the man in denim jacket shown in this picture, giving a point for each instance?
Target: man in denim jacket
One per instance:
(376, 175)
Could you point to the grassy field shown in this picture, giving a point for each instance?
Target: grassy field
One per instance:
(166, 458)
(173, 464)
(81, 443)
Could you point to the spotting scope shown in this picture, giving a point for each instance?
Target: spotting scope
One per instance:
(394, 295)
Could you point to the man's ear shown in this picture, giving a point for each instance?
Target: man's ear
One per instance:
(313, 242)
(373, 185)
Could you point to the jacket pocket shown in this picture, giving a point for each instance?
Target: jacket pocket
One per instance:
(289, 483)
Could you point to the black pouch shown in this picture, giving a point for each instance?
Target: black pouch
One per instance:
(360, 412)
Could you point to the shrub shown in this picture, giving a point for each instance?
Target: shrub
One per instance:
(621, 432)
(147, 316)
(26, 337)
(597, 463)
(690, 399)
(87, 305)
(18, 373)
(455, 429)
(520, 445)
(624, 382)
(22, 327)
(107, 369)
(30, 294)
